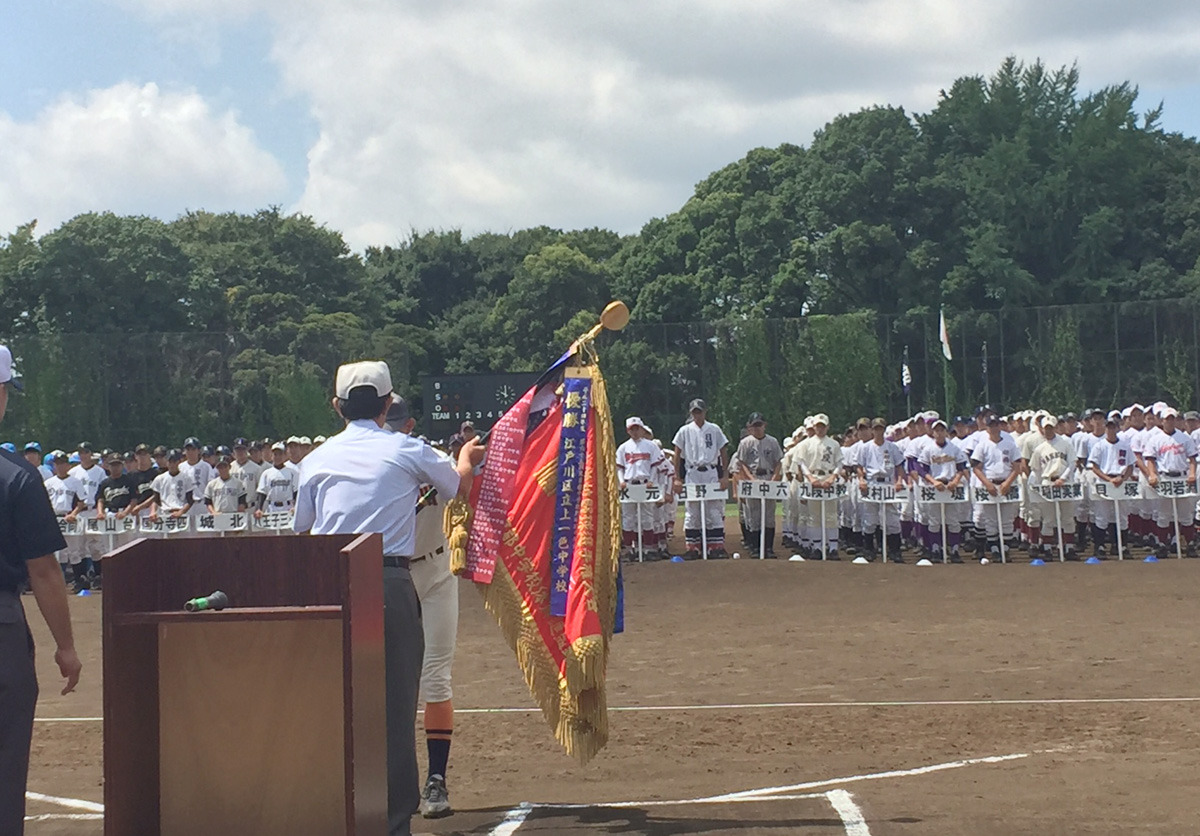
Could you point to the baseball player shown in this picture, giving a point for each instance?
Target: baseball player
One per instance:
(225, 494)
(90, 475)
(278, 484)
(820, 465)
(1170, 452)
(759, 458)
(244, 467)
(437, 590)
(791, 505)
(1053, 463)
(68, 498)
(172, 488)
(669, 509)
(639, 460)
(880, 462)
(700, 457)
(1110, 460)
(33, 455)
(944, 466)
(996, 463)
(198, 470)
(1141, 511)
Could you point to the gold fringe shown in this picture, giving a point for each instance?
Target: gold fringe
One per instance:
(456, 523)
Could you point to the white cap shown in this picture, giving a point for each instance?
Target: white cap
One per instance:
(373, 373)
(820, 418)
(938, 422)
(808, 422)
(320, 439)
(1158, 407)
(279, 445)
(1049, 421)
(1169, 412)
(305, 440)
(6, 372)
(1138, 407)
(634, 421)
(931, 415)
(1126, 412)
(1115, 415)
(293, 439)
(649, 431)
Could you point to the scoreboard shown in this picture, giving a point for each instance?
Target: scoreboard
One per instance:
(482, 398)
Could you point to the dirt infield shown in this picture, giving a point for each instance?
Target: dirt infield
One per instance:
(826, 698)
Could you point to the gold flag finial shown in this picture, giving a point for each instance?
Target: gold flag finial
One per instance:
(614, 317)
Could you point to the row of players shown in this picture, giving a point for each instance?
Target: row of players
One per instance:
(157, 483)
(992, 452)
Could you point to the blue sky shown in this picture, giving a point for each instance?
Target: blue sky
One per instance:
(382, 116)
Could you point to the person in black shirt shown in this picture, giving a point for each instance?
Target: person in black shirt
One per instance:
(116, 493)
(141, 474)
(29, 537)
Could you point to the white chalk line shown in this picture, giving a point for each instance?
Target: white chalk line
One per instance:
(66, 817)
(512, 820)
(847, 809)
(850, 813)
(870, 776)
(766, 706)
(71, 803)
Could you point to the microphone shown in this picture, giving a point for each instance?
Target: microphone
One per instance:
(215, 601)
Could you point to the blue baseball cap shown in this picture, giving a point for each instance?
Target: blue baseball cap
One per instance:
(47, 459)
(9, 446)
(33, 445)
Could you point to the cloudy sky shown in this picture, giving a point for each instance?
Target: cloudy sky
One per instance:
(382, 116)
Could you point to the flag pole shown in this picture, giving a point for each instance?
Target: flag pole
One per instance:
(907, 385)
(944, 339)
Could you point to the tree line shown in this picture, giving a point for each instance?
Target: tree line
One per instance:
(1015, 190)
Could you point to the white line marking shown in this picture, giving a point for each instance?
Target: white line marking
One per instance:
(682, 802)
(73, 803)
(758, 706)
(513, 820)
(66, 817)
(872, 776)
(852, 816)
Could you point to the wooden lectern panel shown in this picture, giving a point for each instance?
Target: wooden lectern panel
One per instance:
(251, 728)
(267, 717)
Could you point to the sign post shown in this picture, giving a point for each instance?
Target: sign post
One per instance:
(1014, 495)
(761, 490)
(704, 493)
(639, 495)
(930, 495)
(1175, 489)
(883, 494)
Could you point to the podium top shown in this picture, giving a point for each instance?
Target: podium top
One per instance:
(157, 576)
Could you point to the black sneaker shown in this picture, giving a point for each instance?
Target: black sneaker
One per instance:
(718, 554)
(435, 799)
(955, 557)
(691, 554)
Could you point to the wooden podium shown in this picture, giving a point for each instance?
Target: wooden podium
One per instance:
(263, 718)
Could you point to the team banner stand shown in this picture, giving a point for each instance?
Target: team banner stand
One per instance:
(1174, 490)
(931, 495)
(1014, 495)
(884, 494)
(1126, 490)
(639, 495)
(1057, 494)
(761, 491)
(811, 493)
(704, 494)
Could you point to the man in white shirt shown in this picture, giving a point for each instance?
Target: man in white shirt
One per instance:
(277, 484)
(225, 494)
(68, 499)
(700, 456)
(90, 474)
(1111, 462)
(880, 462)
(638, 462)
(944, 467)
(997, 463)
(1052, 464)
(820, 465)
(199, 471)
(245, 468)
(172, 490)
(368, 479)
(1170, 454)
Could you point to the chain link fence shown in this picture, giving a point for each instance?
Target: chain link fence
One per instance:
(116, 390)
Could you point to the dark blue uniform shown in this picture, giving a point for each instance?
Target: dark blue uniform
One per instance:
(28, 530)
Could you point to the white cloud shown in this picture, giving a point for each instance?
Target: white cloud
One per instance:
(130, 149)
(501, 114)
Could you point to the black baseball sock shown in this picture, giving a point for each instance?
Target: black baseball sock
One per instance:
(439, 750)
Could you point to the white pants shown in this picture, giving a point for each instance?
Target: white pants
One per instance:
(713, 516)
(957, 513)
(1104, 513)
(986, 521)
(437, 590)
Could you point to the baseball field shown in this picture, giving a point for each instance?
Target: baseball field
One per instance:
(769, 697)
